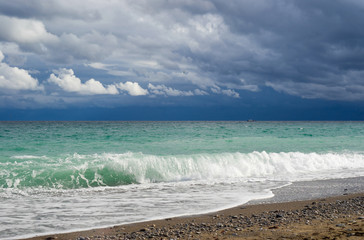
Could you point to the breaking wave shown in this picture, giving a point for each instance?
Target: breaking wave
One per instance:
(107, 169)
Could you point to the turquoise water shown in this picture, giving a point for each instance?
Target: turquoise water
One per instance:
(49, 169)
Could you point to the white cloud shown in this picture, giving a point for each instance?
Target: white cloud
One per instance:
(199, 92)
(92, 46)
(227, 92)
(167, 91)
(67, 80)
(133, 88)
(215, 89)
(23, 30)
(32, 36)
(16, 78)
(28, 33)
(99, 65)
(109, 69)
(230, 93)
(144, 42)
(249, 87)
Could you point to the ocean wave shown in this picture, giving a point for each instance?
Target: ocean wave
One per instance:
(108, 169)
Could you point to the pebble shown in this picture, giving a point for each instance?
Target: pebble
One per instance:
(81, 238)
(234, 225)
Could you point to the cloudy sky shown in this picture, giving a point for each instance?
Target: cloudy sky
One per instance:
(181, 60)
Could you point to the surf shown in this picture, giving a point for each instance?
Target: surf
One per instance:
(72, 171)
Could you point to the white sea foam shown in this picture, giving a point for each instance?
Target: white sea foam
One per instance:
(178, 185)
(109, 169)
(289, 166)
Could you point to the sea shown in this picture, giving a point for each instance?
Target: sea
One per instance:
(64, 176)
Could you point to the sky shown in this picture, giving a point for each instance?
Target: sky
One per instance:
(181, 60)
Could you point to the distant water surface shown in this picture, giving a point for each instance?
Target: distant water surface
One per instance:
(63, 176)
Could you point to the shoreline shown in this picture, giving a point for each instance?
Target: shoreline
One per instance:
(329, 203)
(308, 190)
(332, 217)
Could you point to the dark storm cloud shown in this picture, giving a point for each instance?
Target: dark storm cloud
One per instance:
(310, 49)
(317, 46)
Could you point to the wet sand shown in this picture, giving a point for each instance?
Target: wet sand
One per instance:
(338, 215)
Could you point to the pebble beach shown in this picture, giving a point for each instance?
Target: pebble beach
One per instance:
(332, 217)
